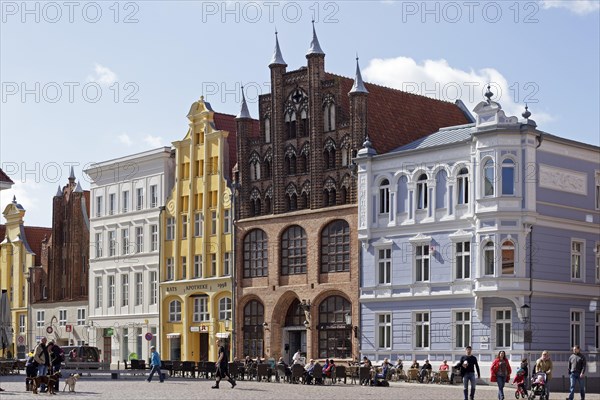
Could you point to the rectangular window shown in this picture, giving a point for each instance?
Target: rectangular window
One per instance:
(139, 198)
(111, 204)
(384, 200)
(139, 288)
(183, 267)
(489, 257)
(422, 194)
(463, 260)
(153, 196)
(225, 309)
(198, 224)
(421, 330)
(227, 221)
(197, 266)
(462, 332)
(139, 239)
(503, 328)
(577, 251)
(463, 189)
(227, 263)
(201, 309)
(597, 191)
(111, 291)
(41, 318)
(139, 341)
(184, 226)
(62, 317)
(154, 233)
(98, 206)
(170, 269)
(576, 328)
(170, 228)
(98, 245)
(81, 316)
(213, 265)
(153, 287)
(597, 262)
(98, 292)
(125, 241)
(597, 331)
(422, 263)
(125, 205)
(124, 290)
(213, 225)
(22, 321)
(112, 243)
(384, 263)
(384, 331)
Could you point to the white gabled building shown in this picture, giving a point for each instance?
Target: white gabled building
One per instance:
(127, 195)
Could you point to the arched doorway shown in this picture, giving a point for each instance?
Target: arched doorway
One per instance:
(335, 336)
(294, 332)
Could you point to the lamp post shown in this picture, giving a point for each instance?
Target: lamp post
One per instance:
(527, 334)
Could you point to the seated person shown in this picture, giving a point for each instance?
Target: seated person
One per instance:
(414, 365)
(425, 371)
(444, 366)
(308, 371)
(398, 366)
(328, 368)
(288, 370)
(366, 362)
(385, 367)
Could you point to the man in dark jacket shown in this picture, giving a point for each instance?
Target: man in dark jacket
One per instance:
(577, 367)
(222, 365)
(468, 364)
(57, 356)
(42, 357)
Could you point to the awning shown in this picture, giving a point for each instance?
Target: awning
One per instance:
(223, 335)
(173, 335)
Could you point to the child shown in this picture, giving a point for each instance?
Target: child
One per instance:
(520, 381)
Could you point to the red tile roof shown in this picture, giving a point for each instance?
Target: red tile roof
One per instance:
(34, 236)
(4, 177)
(396, 118)
(226, 122)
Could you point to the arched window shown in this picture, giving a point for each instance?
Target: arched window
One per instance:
(256, 254)
(303, 123)
(268, 209)
(344, 195)
(384, 197)
(335, 247)
(293, 251)
(329, 193)
(290, 124)
(304, 200)
(175, 311)
(254, 167)
(508, 177)
(508, 258)
(291, 198)
(463, 186)
(441, 185)
(295, 315)
(267, 168)
(488, 178)
(225, 308)
(335, 337)
(254, 317)
(304, 161)
(403, 194)
(329, 154)
(329, 115)
(267, 130)
(422, 192)
(255, 203)
(488, 259)
(290, 161)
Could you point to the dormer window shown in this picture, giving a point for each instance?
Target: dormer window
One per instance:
(463, 186)
(384, 197)
(422, 192)
(488, 178)
(508, 177)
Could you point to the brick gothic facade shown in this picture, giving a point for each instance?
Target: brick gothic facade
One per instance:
(65, 254)
(297, 215)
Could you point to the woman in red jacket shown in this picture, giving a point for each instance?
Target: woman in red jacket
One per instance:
(500, 373)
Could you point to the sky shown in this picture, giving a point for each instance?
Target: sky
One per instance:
(84, 82)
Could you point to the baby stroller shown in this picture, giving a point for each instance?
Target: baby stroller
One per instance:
(538, 386)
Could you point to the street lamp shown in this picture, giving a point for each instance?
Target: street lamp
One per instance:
(525, 312)
(227, 322)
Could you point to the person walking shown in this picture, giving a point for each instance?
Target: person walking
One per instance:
(544, 364)
(42, 357)
(468, 364)
(222, 367)
(500, 373)
(577, 365)
(155, 365)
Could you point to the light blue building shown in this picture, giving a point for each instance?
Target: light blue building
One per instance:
(486, 234)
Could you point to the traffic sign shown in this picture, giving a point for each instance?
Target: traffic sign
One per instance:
(20, 339)
(49, 330)
(149, 336)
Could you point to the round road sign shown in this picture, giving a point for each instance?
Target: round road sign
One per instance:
(149, 336)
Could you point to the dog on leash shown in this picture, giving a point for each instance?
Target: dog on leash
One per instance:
(48, 380)
(71, 381)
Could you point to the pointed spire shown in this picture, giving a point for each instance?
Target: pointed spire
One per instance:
(526, 114)
(59, 192)
(72, 174)
(359, 85)
(244, 113)
(277, 57)
(315, 47)
(78, 189)
(367, 148)
(14, 199)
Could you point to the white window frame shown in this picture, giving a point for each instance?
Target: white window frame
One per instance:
(154, 237)
(227, 263)
(508, 163)
(384, 265)
(226, 221)
(213, 264)
(139, 198)
(98, 242)
(384, 197)
(462, 187)
(112, 243)
(112, 203)
(170, 270)
(153, 287)
(111, 290)
(422, 193)
(225, 308)
(98, 282)
(462, 259)
(153, 196)
(578, 254)
(384, 331)
(508, 244)
(184, 226)
(577, 325)
(40, 318)
(502, 321)
(81, 316)
(125, 241)
(422, 262)
(125, 289)
(422, 324)
(597, 331)
(125, 205)
(139, 288)
(484, 176)
(22, 323)
(99, 201)
(488, 253)
(213, 224)
(170, 234)
(201, 312)
(175, 311)
(183, 267)
(198, 224)
(461, 319)
(198, 266)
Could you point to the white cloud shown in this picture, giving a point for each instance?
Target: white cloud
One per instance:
(581, 7)
(437, 79)
(153, 141)
(125, 139)
(27, 194)
(103, 75)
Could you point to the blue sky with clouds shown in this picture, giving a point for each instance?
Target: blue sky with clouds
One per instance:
(90, 81)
